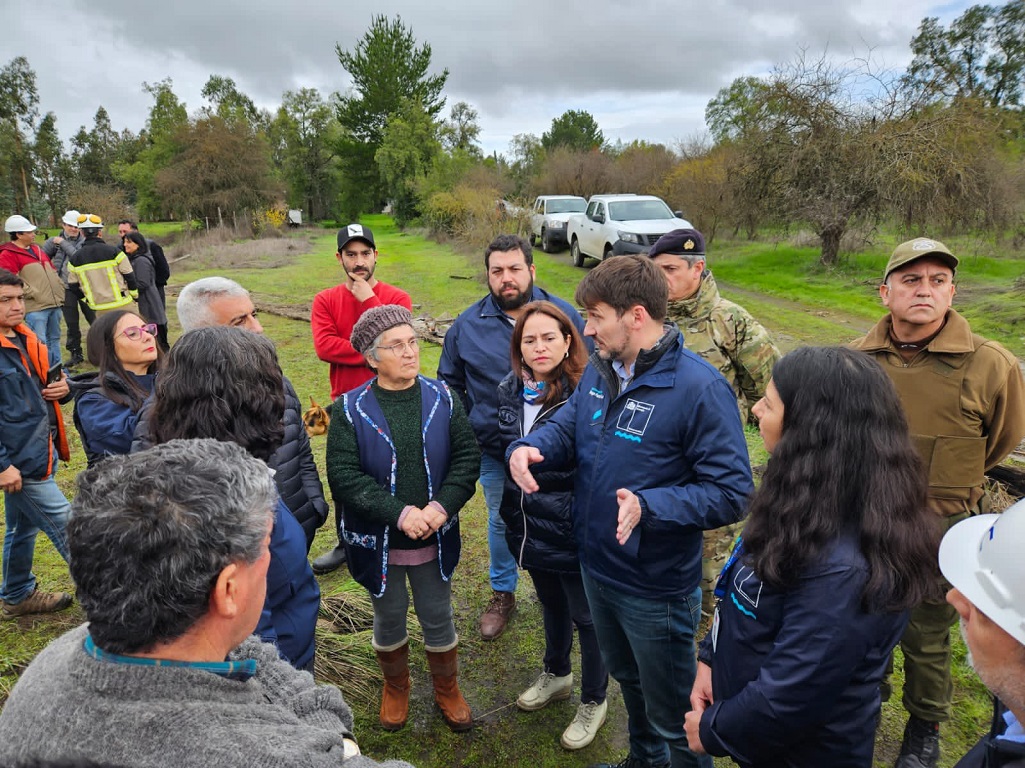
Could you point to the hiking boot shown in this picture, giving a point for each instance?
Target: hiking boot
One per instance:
(585, 725)
(921, 745)
(546, 688)
(37, 602)
(496, 615)
(76, 359)
(332, 561)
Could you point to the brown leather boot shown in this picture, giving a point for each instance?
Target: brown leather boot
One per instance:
(395, 696)
(444, 669)
(496, 615)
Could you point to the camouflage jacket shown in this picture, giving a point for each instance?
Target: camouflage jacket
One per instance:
(725, 334)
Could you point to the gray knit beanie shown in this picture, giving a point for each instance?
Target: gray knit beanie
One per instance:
(376, 321)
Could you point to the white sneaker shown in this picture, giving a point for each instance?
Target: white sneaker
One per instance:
(585, 725)
(546, 688)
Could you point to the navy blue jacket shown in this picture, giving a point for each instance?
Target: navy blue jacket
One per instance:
(475, 358)
(538, 526)
(366, 541)
(289, 615)
(106, 427)
(674, 438)
(796, 673)
(27, 431)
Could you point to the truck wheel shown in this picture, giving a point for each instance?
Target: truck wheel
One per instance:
(575, 252)
(546, 246)
(533, 240)
(609, 253)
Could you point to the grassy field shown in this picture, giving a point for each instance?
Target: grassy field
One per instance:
(782, 285)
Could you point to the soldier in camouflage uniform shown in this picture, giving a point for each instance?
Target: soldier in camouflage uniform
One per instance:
(727, 337)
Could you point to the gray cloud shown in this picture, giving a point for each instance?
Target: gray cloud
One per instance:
(645, 69)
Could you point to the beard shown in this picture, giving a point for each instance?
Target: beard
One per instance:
(1003, 679)
(515, 301)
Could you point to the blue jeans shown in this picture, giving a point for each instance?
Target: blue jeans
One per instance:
(46, 324)
(648, 646)
(38, 506)
(504, 574)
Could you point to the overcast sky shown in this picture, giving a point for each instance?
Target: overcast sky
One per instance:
(644, 68)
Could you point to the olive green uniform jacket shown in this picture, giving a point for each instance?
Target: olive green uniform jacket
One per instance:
(965, 402)
(729, 338)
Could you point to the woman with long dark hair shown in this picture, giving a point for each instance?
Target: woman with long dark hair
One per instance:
(548, 358)
(838, 546)
(124, 348)
(225, 383)
(151, 306)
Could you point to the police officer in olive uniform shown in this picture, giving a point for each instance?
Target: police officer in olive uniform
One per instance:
(965, 401)
(725, 335)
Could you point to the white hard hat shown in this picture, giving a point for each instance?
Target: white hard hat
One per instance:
(982, 558)
(89, 221)
(18, 223)
(71, 218)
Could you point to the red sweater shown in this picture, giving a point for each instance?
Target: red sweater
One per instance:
(334, 313)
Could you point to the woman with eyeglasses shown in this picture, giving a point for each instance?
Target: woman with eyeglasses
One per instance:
(838, 546)
(150, 305)
(402, 460)
(124, 348)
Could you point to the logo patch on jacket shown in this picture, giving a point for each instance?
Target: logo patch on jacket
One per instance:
(634, 420)
(748, 588)
(595, 392)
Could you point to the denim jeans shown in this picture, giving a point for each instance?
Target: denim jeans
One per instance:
(46, 324)
(563, 604)
(432, 599)
(38, 506)
(503, 573)
(648, 647)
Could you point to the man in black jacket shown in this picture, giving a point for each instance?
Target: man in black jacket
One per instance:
(219, 301)
(981, 558)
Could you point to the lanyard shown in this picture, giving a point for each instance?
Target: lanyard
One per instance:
(720, 584)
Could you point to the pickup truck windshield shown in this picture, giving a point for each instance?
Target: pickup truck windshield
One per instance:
(567, 206)
(639, 209)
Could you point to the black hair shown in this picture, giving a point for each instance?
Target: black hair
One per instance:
(136, 237)
(844, 465)
(9, 278)
(101, 352)
(504, 243)
(224, 383)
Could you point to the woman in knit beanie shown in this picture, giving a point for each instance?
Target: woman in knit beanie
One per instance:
(403, 461)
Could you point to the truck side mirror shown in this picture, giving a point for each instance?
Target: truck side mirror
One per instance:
(678, 214)
(598, 217)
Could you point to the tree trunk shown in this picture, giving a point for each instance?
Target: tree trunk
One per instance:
(831, 244)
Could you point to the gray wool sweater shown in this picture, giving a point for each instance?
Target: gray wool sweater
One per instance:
(69, 705)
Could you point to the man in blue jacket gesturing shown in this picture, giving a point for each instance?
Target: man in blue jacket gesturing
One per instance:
(659, 454)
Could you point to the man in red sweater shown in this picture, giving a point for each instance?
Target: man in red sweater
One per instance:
(335, 312)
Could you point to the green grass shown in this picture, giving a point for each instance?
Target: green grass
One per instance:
(783, 286)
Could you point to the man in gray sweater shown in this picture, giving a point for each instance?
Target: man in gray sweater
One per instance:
(169, 552)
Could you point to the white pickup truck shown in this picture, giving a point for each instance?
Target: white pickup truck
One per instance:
(613, 225)
(548, 220)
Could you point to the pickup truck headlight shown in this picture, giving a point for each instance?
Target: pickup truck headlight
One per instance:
(630, 237)
(556, 224)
